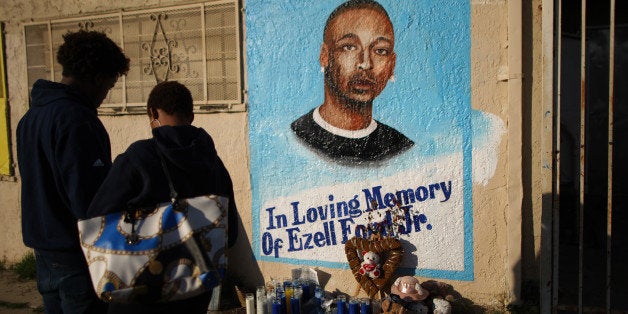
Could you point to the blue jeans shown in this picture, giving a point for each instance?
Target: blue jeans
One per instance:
(63, 281)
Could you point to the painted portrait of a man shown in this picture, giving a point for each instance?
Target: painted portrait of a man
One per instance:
(357, 58)
(356, 107)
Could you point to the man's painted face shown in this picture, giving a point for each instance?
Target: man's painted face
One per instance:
(358, 52)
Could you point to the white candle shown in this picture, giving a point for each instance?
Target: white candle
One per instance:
(260, 295)
(250, 303)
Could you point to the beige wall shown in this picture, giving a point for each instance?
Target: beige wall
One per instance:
(532, 84)
(489, 92)
(497, 255)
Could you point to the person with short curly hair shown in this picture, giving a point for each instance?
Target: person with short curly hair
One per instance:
(64, 154)
(137, 179)
(173, 98)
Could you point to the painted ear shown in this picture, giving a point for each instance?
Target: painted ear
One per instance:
(417, 287)
(323, 57)
(364, 252)
(397, 281)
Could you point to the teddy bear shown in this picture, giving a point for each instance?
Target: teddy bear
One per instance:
(370, 266)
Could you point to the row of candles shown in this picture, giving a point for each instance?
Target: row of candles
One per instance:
(304, 297)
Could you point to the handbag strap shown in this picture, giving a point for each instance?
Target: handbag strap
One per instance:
(131, 215)
(176, 206)
(173, 193)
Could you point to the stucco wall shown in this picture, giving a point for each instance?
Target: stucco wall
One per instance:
(489, 93)
(489, 63)
(537, 132)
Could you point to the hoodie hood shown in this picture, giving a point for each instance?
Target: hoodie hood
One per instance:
(137, 179)
(45, 92)
(186, 147)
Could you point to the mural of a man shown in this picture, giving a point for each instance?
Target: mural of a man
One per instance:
(358, 59)
(304, 127)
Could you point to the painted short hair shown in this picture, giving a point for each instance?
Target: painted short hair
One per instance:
(352, 5)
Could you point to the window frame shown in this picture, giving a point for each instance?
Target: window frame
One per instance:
(125, 107)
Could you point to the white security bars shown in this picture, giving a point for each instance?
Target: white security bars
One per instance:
(198, 45)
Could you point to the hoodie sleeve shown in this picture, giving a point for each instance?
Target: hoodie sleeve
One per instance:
(83, 158)
(121, 185)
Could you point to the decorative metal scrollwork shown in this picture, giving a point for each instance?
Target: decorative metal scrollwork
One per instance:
(90, 26)
(86, 25)
(160, 49)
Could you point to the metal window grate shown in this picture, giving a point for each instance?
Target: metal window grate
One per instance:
(197, 45)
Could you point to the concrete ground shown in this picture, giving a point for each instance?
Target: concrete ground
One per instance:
(18, 296)
(21, 297)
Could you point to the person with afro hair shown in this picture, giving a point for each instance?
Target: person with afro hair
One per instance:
(64, 154)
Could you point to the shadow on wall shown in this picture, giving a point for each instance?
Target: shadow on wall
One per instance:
(244, 273)
(582, 251)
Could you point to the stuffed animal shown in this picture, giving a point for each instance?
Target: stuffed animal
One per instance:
(441, 306)
(370, 265)
(406, 296)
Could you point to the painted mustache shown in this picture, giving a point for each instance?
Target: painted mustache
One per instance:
(362, 80)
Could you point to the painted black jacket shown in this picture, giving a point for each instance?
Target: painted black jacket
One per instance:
(381, 144)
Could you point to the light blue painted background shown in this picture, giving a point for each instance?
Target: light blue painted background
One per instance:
(429, 101)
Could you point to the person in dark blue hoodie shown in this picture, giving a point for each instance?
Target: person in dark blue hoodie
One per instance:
(64, 155)
(137, 180)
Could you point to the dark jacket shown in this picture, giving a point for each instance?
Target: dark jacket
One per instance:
(64, 154)
(136, 178)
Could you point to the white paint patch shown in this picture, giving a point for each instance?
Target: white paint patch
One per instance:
(487, 135)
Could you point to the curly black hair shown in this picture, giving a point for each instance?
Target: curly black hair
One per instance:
(86, 55)
(172, 97)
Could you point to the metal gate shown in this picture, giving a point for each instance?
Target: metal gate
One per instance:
(590, 189)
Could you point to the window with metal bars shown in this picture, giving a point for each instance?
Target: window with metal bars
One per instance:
(198, 45)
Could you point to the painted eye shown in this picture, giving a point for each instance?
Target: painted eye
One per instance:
(349, 47)
(381, 51)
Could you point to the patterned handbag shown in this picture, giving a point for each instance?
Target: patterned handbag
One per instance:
(174, 252)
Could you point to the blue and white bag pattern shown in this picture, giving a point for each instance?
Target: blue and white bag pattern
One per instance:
(164, 255)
